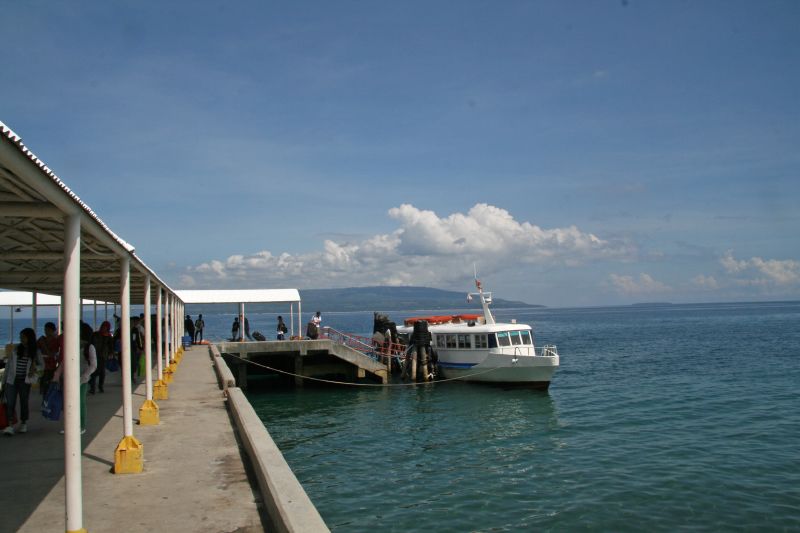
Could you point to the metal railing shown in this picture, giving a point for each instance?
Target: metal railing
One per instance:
(549, 350)
(382, 352)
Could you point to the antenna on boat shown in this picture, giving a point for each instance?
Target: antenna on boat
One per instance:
(486, 298)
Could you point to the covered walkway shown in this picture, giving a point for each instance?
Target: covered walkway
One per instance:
(194, 478)
(51, 242)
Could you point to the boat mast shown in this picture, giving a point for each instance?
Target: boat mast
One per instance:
(486, 299)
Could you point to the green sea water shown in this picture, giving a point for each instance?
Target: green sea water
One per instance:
(659, 419)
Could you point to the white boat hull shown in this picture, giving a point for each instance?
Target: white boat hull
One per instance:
(524, 370)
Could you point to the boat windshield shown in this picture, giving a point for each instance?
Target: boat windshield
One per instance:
(503, 338)
(526, 337)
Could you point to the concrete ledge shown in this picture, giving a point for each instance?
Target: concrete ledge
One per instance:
(288, 505)
(224, 374)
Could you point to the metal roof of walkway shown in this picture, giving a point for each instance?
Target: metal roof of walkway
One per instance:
(33, 205)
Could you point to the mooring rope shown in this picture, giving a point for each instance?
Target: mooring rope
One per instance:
(334, 382)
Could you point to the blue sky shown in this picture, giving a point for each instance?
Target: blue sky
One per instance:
(582, 153)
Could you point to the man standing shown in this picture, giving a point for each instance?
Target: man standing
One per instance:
(198, 328)
(188, 325)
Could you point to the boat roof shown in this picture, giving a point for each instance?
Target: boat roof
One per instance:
(464, 327)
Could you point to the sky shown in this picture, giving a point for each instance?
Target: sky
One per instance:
(577, 153)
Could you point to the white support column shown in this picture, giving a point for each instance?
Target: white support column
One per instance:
(167, 336)
(241, 321)
(129, 455)
(159, 336)
(148, 353)
(148, 413)
(291, 320)
(125, 335)
(34, 315)
(71, 374)
(172, 346)
(300, 320)
(175, 331)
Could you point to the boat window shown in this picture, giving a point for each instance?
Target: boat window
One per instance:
(480, 341)
(464, 341)
(451, 341)
(440, 341)
(492, 341)
(515, 338)
(502, 338)
(526, 337)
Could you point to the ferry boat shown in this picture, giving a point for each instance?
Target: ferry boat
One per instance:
(476, 348)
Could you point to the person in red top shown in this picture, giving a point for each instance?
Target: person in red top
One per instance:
(48, 345)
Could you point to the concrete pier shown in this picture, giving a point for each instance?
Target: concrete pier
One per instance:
(194, 477)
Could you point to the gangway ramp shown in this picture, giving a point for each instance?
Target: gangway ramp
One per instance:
(318, 359)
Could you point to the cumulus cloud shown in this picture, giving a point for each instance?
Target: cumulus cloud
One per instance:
(705, 282)
(758, 271)
(425, 249)
(643, 284)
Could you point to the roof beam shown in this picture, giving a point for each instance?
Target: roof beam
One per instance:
(29, 210)
(55, 256)
(53, 274)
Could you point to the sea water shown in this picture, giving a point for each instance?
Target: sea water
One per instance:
(660, 418)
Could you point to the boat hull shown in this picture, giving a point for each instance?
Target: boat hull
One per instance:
(527, 371)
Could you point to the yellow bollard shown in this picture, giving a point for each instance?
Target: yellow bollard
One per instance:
(160, 390)
(148, 413)
(129, 456)
(168, 375)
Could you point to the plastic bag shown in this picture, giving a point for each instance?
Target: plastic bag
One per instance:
(53, 403)
(112, 365)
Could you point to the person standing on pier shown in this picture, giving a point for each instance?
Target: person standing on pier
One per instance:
(198, 328)
(247, 328)
(137, 345)
(48, 346)
(188, 326)
(20, 375)
(103, 343)
(88, 364)
(317, 320)
(235, 329)
(282, 329)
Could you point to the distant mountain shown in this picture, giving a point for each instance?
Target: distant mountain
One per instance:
(383, 299)
(393, 299)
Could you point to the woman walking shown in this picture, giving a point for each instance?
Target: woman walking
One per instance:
(88, 361)
(21, 373)
(103, 343)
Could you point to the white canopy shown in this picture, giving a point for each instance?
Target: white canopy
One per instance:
(25, 298)
(239, 296)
